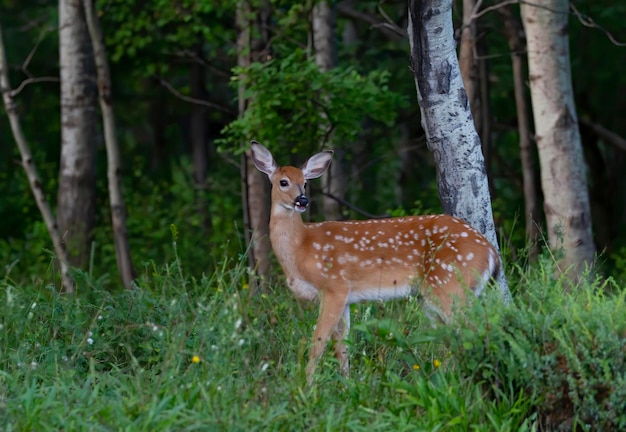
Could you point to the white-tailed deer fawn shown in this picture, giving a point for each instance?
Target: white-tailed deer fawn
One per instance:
(341, 263)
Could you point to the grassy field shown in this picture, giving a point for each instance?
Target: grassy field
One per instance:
(183, 354)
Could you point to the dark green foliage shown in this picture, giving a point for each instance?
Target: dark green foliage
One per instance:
(565, 350)
(162, 30)
(154, 206)
(294, 105)
(368, 102)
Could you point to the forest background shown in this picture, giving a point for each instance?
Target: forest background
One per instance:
(175, 102)
(192, 83)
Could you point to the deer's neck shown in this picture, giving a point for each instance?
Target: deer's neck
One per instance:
(286, 234)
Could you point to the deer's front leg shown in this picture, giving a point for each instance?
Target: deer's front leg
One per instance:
(332, 308)
(340, 334)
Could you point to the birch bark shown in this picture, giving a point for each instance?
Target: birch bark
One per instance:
(31, 170)
(447, 119)
(563, 178)
(76, 195)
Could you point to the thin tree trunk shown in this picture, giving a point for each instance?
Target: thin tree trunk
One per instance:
(447, 119)
(199, 149)
(158, 122)
(76, 196)
(322, 20)
(475, 73)
(514, 33)
(333, 182)
(566, 197)
(114, 168)
(468, 62)
(484, 130)
(31, 170)
(255, 188)
(601, 192)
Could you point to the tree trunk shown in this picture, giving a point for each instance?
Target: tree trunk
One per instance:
(468, 63)
(566, 198)
(31, 170)
(76, 196)
(114, 167)
(447, 119)
(199, 135)
(158, 124)
(514, 33)
(484, 130)
(255, 188)
(601, 191)
(333, 181)
(475, 73)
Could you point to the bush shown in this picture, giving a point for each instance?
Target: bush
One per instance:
(566, 349)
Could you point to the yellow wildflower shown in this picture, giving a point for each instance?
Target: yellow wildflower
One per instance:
(195, 359)
(436, 363)
(416, 367)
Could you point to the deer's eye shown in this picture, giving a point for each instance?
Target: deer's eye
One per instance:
(284, 183)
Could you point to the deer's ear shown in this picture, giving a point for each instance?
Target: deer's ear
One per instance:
(262, 158)
(317, 164)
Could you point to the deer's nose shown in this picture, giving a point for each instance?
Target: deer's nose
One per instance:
(301, 203)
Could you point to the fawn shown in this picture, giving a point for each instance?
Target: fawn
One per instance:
(339, 263)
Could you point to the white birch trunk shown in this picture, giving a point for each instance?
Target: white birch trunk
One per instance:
(114, 166)
(566, 197)
(31, 170)
(76, 196)
(447, 119)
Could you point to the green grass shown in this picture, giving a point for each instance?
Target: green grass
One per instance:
(106, 361)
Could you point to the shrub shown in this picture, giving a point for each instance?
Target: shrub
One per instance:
(565, 348)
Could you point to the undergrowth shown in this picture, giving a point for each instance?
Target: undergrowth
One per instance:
(185, 353)
(562, 345)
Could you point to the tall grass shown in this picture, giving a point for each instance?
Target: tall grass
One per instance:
(184, 353)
